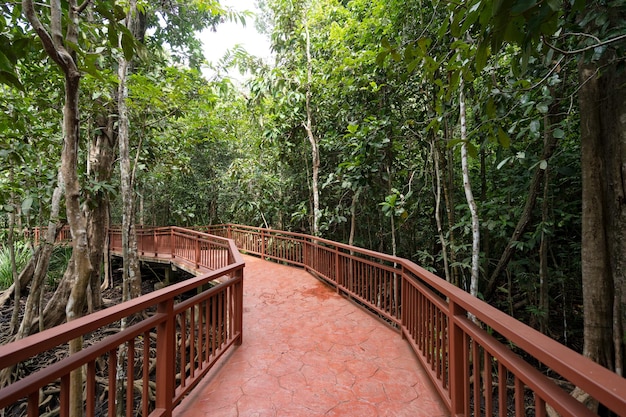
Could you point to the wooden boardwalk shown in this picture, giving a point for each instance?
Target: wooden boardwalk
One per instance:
(309, 352)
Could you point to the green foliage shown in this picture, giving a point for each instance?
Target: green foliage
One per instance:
(61, 256)
(22, 256)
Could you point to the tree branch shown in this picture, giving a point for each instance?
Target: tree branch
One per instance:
(44, 35)
(82, 7)
(587, 48)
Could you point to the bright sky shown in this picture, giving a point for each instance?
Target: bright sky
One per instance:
(230, 34)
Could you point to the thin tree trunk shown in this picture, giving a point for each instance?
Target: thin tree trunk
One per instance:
(520, 228)
(469, 196)
(131, 271)
(355, 200)
(450, 202)
(16, 278)
(442, 237)
(544, 286)
(308, 126)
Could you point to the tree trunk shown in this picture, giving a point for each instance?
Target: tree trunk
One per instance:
(101, 156)
(355, 200)
(473, 289)
(131, 270)
(603, 160)
(550, 144)
(16, 278)
(308, 126)
(437, 188)
(54, 43)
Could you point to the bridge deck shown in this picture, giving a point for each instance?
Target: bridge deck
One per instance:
(308, 352)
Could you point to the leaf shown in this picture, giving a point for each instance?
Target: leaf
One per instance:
(472, 151)
(128, 45)
(543, 164)
(523, 5)
(380, 58)
(503, 162)
(558, 133)
(481, 56)
(112, 35)
(542, 108)
(503, 138)
(27, 204)
(5, 63)
(10, 79)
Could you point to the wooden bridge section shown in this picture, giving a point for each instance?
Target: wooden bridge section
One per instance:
(304, 349)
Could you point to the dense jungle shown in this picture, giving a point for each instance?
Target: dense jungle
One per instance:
(484, 140)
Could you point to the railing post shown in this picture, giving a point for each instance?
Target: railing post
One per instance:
(229, 231)
(197, 238)
(165, 345)
(404, 304)
(239, 307)
(337, 283)
(156, 242)
(457, 361)
(172, 243)
(262, 243)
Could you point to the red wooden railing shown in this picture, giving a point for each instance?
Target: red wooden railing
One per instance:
(485, 368)
(182, 339)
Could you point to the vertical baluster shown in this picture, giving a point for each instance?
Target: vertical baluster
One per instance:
(465, 374)
(540, 406)
(91, 389)
(145, 399)
(183, 348)
(64, 397)
(476, 370)
(192, 342)
(488, 384)
(33, 404)
(520, 410)
(502, 390)
(130, 378)
(112, 381)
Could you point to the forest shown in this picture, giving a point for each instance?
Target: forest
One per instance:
(485, 140)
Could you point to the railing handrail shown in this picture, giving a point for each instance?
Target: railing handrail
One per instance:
(602, 384)
(168, 393)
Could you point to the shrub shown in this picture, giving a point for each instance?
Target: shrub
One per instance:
(22, 256)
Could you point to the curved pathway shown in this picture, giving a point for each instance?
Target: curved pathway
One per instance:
(309, 352)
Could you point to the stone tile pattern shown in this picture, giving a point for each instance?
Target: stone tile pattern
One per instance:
(309, 352)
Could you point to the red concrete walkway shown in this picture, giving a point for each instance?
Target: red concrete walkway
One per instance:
(309, 352)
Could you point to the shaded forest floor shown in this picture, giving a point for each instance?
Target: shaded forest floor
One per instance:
(152, 275)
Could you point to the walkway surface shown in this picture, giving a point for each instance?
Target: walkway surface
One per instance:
(309, 352)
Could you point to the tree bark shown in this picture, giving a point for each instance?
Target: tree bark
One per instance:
(469, 196)
(603, 148)
(54, 43)
(308, 126)
(520, 228)
(131, 270)
(437, 188)
(101, 155)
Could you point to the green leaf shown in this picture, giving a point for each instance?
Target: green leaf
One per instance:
(27, 204)
(472, 150)
(481, 56)
(380, 58)
(5, 63)
(523, 5)
(542, 108)
(503, 138)
(558, 133)
(10, 79)
(112, 35)
(128, 45)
